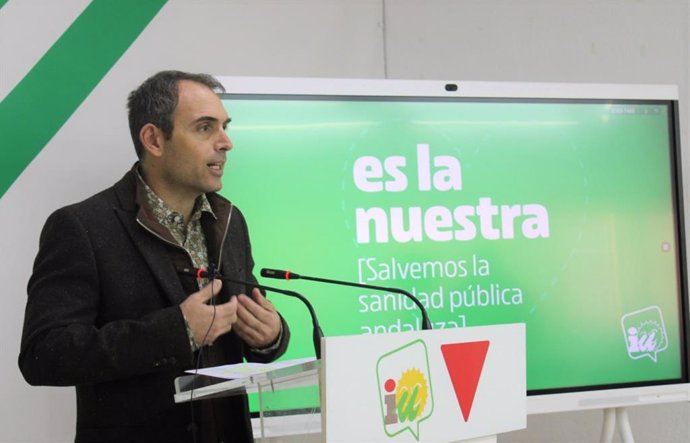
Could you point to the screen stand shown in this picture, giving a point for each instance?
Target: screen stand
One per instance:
(616, 417)
(261, 413)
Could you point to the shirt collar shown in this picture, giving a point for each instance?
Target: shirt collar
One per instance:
(164, 214)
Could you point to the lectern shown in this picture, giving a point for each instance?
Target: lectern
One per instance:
(437, 386)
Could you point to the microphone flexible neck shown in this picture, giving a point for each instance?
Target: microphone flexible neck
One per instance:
(287, 275)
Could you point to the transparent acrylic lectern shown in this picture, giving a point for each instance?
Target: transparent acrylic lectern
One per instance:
(264, 381)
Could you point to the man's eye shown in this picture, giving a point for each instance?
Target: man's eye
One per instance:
(204, 128)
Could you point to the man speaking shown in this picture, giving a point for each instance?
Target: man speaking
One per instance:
(107, 310)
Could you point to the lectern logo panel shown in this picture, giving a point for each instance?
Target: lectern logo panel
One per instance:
(404, 385)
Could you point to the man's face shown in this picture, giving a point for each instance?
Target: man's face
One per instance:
(194, 158)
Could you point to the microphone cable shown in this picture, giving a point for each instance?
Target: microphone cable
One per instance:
(213, 271)
(197, 366)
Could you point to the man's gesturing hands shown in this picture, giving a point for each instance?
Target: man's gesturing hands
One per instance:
(255, 319)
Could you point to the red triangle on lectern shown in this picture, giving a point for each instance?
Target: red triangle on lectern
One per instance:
(465, 362)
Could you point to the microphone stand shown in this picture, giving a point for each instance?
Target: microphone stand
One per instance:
(287, 275)
(317, 333)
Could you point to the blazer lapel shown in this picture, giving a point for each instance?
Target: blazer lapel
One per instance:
(154, 253)
(152, 248)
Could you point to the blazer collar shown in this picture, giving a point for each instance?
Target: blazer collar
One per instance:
(149, 244)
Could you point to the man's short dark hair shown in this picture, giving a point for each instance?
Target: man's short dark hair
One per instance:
(156, 99)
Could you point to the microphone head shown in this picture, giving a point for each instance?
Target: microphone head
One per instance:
(203, 273)
(281, 275)
(198, 272)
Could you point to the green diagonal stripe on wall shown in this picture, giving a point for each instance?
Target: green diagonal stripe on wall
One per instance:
(2, 3)
(65, 76)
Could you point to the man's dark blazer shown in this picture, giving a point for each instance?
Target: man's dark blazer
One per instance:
(103, 315)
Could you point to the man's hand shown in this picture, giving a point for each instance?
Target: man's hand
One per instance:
(258, 322)
(200, 317)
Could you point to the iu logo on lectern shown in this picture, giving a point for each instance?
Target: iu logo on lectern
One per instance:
(405, 392)
(404, 383)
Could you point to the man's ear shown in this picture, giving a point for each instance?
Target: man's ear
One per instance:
(152, 138)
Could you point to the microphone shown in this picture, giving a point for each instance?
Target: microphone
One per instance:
(212, 273)
(288, 275)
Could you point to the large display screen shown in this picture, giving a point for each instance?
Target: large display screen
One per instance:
(563, 214)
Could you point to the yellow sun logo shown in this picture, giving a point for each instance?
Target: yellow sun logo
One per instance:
(411, 395)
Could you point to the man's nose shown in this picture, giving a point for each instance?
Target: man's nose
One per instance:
(224, 142)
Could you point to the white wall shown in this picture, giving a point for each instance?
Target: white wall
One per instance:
(612, 41)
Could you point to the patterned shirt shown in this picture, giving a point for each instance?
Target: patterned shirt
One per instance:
(190, 235)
